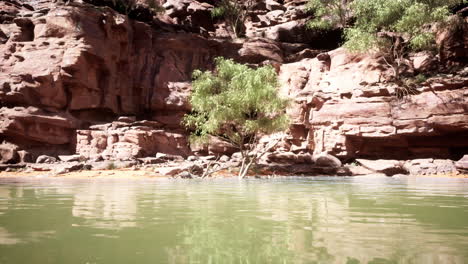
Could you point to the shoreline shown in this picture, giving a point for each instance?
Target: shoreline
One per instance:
(132, 174)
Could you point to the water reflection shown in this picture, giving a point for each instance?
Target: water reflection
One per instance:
(106, 205)
(319, 220)
(7, 238)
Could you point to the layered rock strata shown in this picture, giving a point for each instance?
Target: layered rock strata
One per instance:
(343, 106)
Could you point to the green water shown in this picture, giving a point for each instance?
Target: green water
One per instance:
(296, 220)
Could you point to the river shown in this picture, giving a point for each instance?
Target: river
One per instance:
(286, 220)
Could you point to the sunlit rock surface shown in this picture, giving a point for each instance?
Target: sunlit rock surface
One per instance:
(68, 69)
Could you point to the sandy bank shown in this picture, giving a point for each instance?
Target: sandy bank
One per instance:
(131, 174)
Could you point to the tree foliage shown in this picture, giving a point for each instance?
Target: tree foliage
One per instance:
(328, 14)
(410, 19)
(394, 27)
(237, 104)
(397, 27)
(127, 6)
(235, 13)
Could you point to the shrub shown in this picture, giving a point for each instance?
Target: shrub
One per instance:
(237, 104)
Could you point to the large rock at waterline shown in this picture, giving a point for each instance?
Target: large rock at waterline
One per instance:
(326, 160)
(430, 166)
(357, 170)
(178, 169)
(46, 159)
(112, 165)
(388, 167)
(60, 168)
(289, 158)
(70, 167)
(462, 164)
(70, 158)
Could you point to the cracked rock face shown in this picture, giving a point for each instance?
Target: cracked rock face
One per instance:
(64, 68)
(342, 107)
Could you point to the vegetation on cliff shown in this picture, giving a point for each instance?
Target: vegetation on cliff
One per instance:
(328, 14)
(238, 104)
(235, 14)
(394, 28)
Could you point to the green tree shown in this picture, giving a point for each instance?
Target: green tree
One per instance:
(396, 27)
(237, 104)
(127, 6)
(235, 13)
(328, 14)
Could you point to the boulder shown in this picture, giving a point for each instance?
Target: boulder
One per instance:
(430, 166)
(111, 165)
(223, 158)
(102, 165)
(124, 164)
(192, 158)
(257, 50)
(46, 159)
(70, 158)
(462, 164)
(290, 157)
(151, 160)
(357, 170)
(185, 175)
(9, 153)
(326, 160)
(168, 157)
(424, 62)
(70, 167)
(180, 168)
(127, 119)
(217, 146)
(388, 167)
(236, 156)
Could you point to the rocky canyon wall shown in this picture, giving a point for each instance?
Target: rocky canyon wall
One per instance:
(66, 68)
(343, 107)
(81, 78)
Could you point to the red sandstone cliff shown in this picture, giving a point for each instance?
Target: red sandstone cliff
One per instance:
(84, 79)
